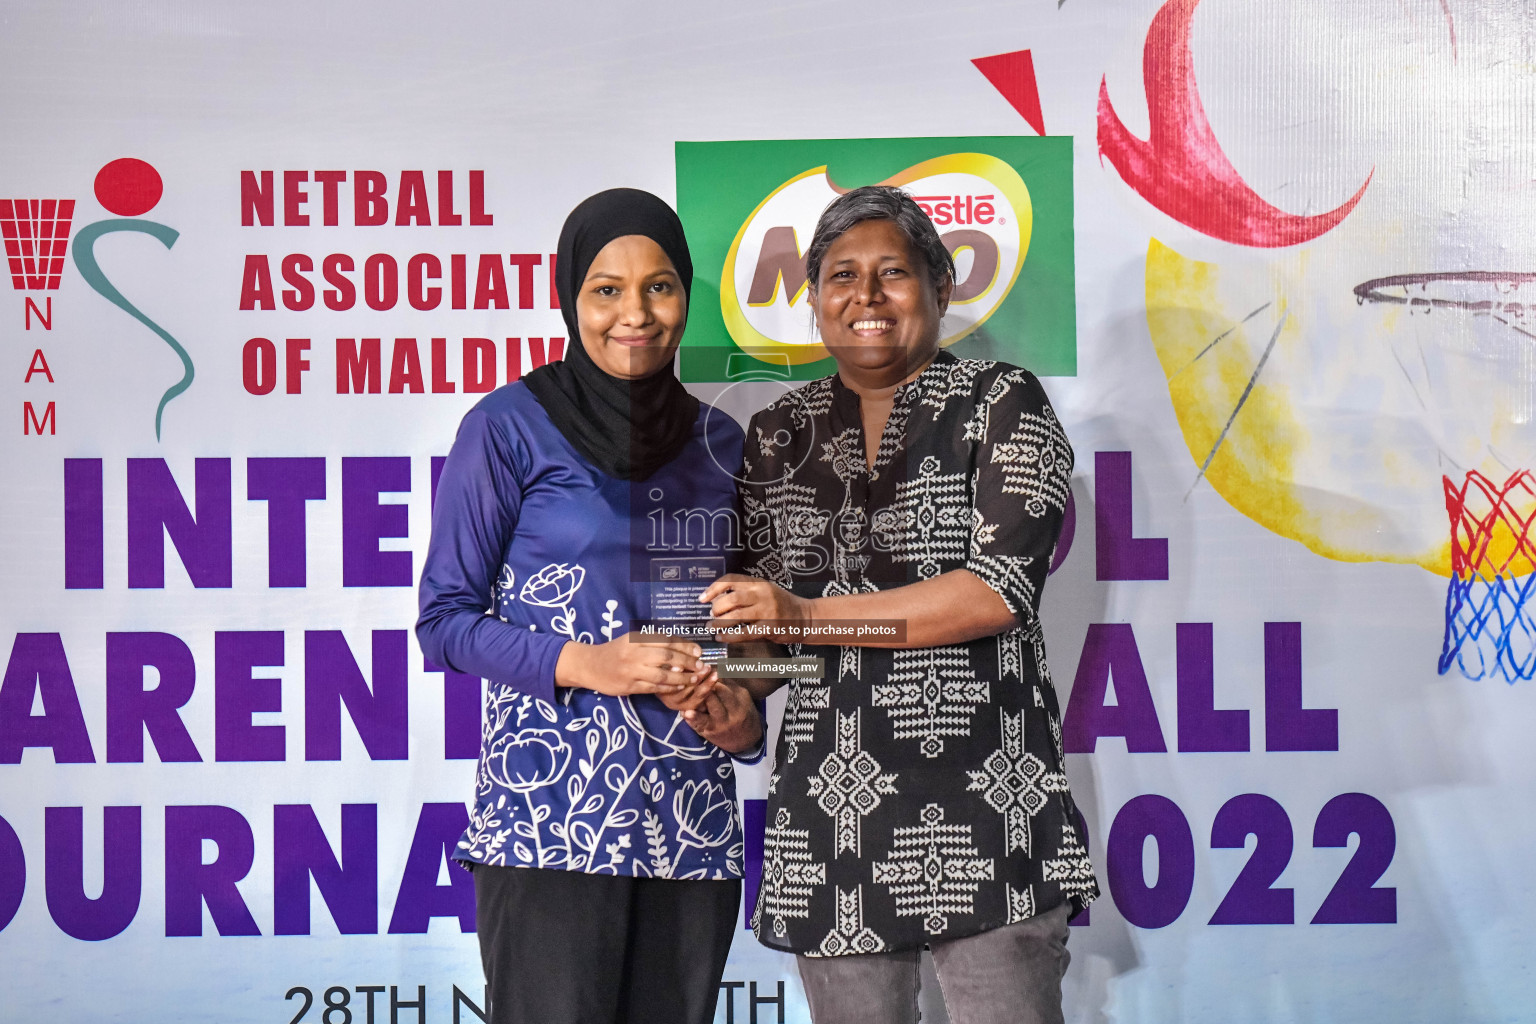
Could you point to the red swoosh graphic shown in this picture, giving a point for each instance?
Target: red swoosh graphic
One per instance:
(1181, 169)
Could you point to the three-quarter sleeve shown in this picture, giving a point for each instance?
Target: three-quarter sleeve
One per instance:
(479, 496)
(1020, 481)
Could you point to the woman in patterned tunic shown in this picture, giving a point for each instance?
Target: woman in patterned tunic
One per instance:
(918, 795)
(604, 839)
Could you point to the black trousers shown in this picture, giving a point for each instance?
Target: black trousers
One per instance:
(563, 947)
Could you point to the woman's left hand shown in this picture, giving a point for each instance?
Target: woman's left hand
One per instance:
(734, 598)
(727, 718)
(692, 695)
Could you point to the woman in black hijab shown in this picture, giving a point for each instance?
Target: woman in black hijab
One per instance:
(604, 840)
(626, 425)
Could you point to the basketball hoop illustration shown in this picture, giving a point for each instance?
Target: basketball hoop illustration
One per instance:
(36, 233)
(1490, 619)
(1482, 292)
(1490, 601)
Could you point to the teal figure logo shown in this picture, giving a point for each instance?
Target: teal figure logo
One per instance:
(130, 188)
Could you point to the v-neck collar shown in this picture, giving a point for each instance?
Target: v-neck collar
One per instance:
(847, 406)
(934, 372)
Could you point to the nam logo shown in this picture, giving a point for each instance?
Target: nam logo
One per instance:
(1003, 207)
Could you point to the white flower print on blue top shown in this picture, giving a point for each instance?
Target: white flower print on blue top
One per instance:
(532, 547)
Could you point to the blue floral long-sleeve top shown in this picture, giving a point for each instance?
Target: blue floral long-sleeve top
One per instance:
(533, 547)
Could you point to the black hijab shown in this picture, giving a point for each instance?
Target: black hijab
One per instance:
(626, 428)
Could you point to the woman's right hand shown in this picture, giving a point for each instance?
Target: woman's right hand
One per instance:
(737, 600)
(623, 666)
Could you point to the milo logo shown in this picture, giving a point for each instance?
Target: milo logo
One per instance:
(979, 204)
(1002, 207)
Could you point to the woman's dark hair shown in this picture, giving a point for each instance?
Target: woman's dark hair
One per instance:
(880, 202)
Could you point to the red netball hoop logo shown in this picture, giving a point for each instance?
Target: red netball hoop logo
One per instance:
(129, 187)
(36, 233)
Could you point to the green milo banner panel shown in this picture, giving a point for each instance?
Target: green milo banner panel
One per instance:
(1002, 204)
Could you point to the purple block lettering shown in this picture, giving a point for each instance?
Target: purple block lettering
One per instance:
(420, 897)
(1356, 898)
(754, 825)
(238, 693)
(84, 533)
(38, 666)
(122, 854)
(1111, 648)
(1201, 726)
(349, 884)
(364, 522)
(286, 485)
(1120, 555)
(156, 508)
(332, 678)
(133, 710)
(1253, 898)
(463, 699)
(438, 462)
(1288, 725)
(13, 873)
(189, 883)
(1157, 817)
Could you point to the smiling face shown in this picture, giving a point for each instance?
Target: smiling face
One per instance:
(631, 308)
(876, 306)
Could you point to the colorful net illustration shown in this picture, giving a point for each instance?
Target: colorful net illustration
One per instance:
(36, 233)
(1490, 618)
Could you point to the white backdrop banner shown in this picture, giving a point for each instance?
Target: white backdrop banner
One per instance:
(1273, 263)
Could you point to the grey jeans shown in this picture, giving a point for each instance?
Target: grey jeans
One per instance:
(1009, 975)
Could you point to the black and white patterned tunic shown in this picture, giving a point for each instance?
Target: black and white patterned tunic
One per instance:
(916, 794)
